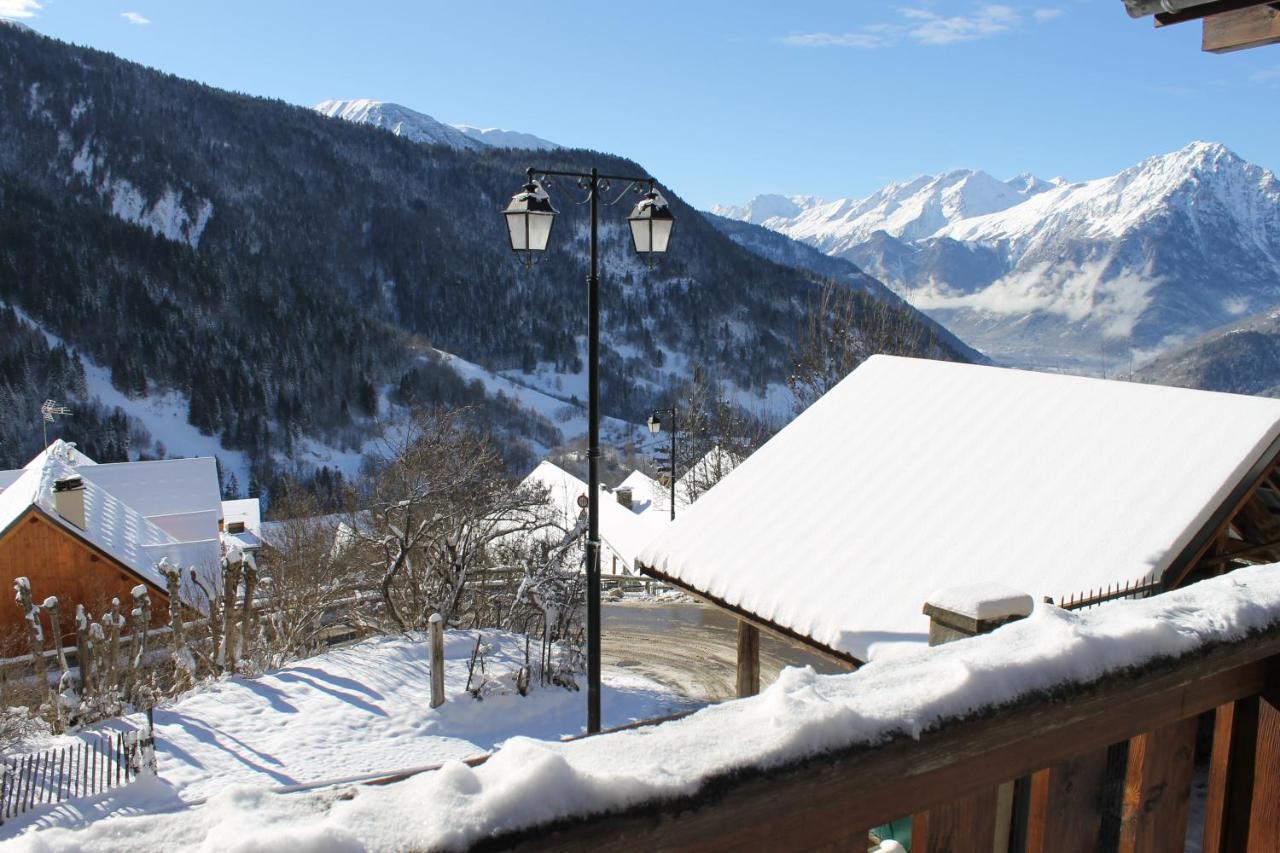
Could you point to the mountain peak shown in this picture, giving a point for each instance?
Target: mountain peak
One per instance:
(496, 137)
(400, 120)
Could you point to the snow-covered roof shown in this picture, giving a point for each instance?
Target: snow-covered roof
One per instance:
(164, 487)
(112, 524)
(622, 532)
(246, 511)
(913, 475)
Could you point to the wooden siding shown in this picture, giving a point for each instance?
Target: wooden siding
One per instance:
(62, 564)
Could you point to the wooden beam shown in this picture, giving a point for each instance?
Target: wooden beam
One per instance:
(815, 801)
(1065, 813)
(748, 659)
(1264, 816)
(1226, 819)
(966, 825)
(1242, 29)
(1222, 518)
(1157, 790)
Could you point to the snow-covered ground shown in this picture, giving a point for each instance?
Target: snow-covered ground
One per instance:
(350, 712)
(800, 716)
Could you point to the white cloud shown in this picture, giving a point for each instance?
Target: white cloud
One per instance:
(1266, 74)
(865, 39)
(1047, 14)
(986, 21)
(19, 8)
(135, 18)
(925, 26)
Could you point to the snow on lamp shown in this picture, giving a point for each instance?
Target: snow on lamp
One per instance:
(651, 223)
(529, 218)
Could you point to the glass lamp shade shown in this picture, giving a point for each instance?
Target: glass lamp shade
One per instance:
(655, 424)
(529, 218)
(651, 223)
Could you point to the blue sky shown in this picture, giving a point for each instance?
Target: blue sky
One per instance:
(726, 99)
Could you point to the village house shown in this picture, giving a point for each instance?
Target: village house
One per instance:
(86, 532)
(912, 476)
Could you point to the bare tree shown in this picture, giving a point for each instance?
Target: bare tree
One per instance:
(306, 579)
(843, 327)
(438, 508)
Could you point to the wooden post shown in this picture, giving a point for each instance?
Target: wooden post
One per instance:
(1157, 789)
(1240, 29)
(748, 659)
(437, 660)
(1065, 810)
(1264, 817)
(980, 822)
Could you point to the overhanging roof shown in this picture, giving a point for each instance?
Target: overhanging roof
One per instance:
(912, 475)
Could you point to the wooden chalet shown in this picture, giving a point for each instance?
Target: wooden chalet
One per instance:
(914, 475)
(86, 533)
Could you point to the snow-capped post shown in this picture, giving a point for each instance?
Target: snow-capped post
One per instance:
(954, 614)
(84, 652)
(437, 659)
(230, 583)
(115, 622)
(249, 567)
(141, 622)
(183, 660)
(55, 624)
(35, 635)
(966, 611)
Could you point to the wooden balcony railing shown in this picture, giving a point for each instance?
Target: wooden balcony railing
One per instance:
(1106, 765)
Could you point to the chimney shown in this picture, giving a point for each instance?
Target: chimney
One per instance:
(624, 496)
(68, 499)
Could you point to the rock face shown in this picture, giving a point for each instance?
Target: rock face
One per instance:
(1082, 276)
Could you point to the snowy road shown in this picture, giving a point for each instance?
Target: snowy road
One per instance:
(691, 648)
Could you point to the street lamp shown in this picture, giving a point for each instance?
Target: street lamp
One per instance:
(655, 426)
(529, 218)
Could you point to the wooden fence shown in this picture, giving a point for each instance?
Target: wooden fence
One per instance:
(1103, 766)
(95, 763)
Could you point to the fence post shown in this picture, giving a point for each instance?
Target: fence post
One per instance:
(437, 660)
(954, 614)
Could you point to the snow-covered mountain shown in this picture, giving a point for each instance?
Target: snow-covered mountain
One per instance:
(401, 121)
(908, 211)
(421, 127)
(496, 137)
(1082, 276)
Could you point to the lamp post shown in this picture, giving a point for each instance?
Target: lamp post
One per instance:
(529, 217)
(655, 426)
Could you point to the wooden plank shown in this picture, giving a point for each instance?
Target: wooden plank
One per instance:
(748, 659)
(964, 825)
(1239, 30)
(1264, 814)
(815, 801)
(1065, 813)
(1157, 791)
(1230, 797)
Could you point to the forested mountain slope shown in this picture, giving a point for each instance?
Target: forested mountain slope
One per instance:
(280, 268)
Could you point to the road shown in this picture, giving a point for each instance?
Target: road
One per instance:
(691, 648)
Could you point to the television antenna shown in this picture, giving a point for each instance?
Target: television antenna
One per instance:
(48, 409)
